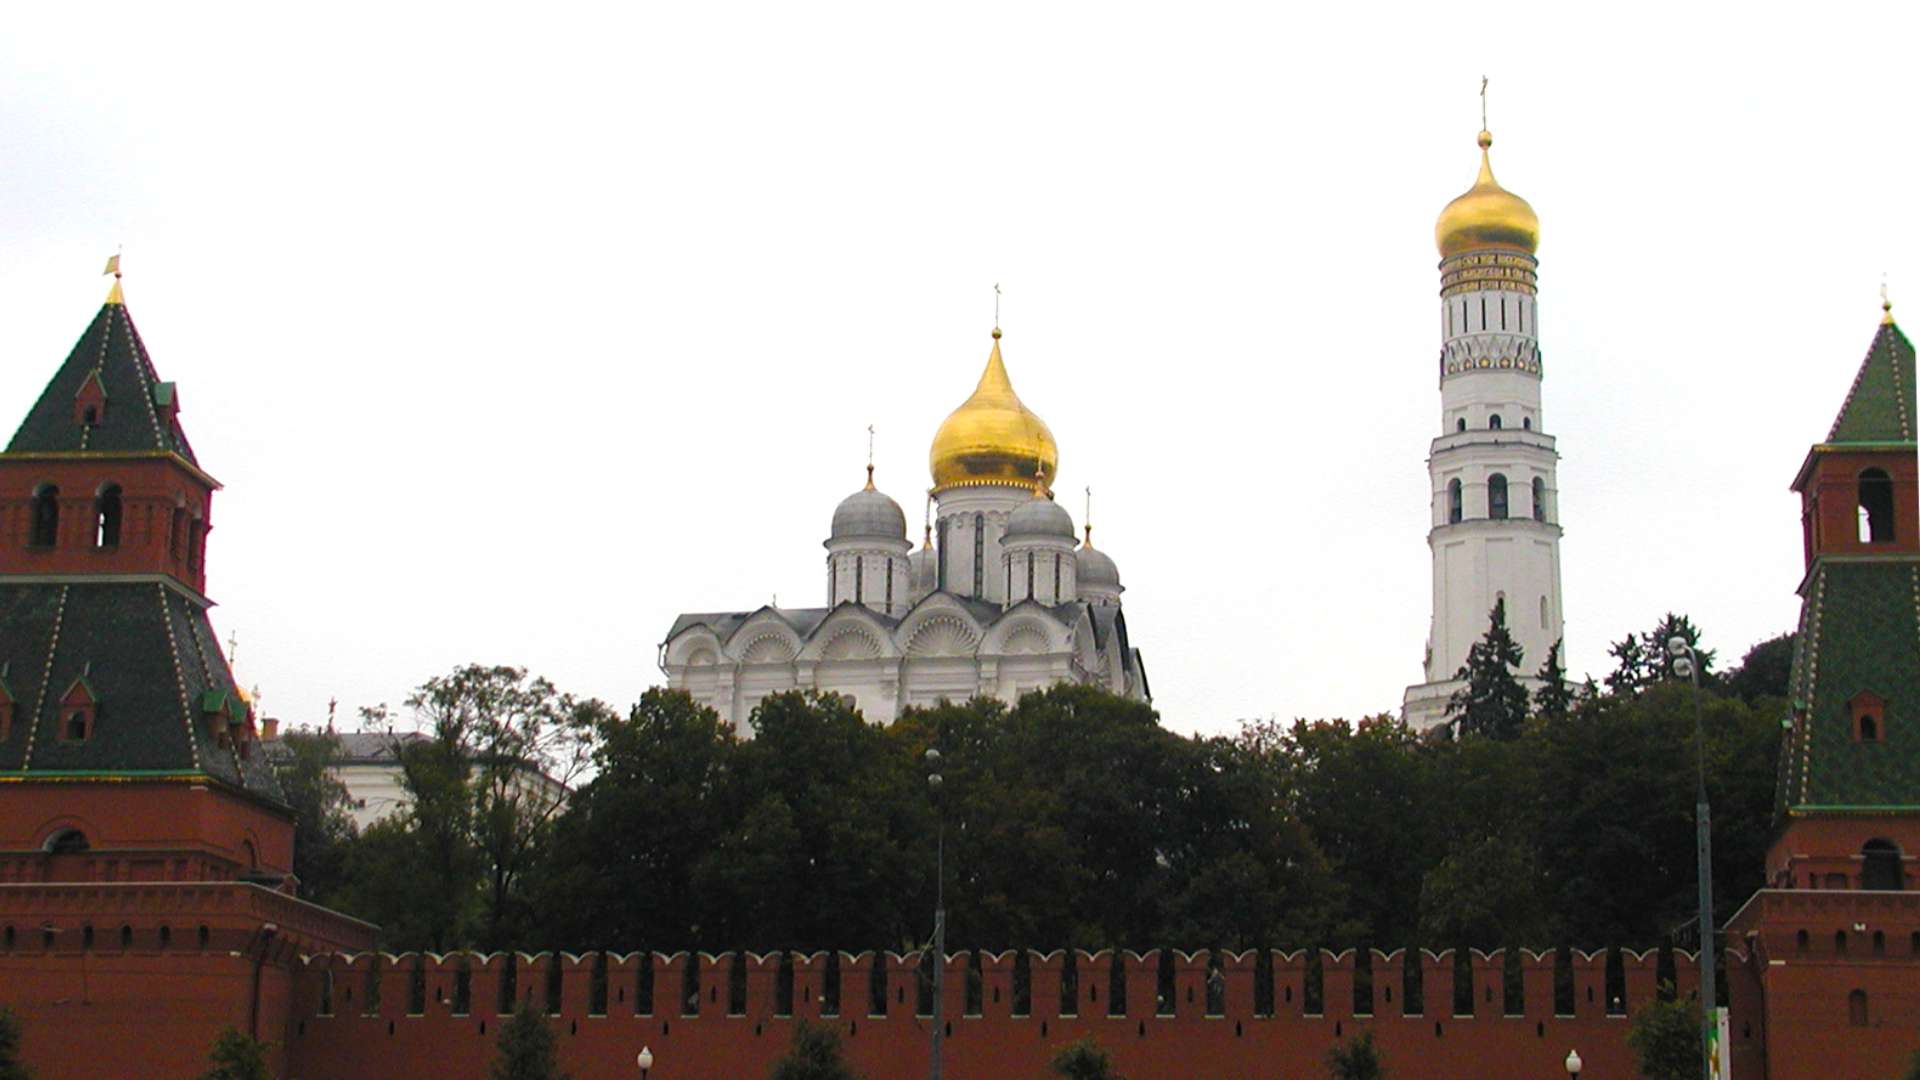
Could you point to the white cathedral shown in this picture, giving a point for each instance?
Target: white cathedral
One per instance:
(999, 599)
(1495, 536)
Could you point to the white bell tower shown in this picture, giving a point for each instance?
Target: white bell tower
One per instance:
(1496, 524)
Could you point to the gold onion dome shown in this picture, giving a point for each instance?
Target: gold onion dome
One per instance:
(1487, 216)
(993, 439)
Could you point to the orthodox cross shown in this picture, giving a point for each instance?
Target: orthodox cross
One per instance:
(1483, 103)
(996, 305)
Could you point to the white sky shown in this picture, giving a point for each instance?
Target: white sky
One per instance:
(512, 335)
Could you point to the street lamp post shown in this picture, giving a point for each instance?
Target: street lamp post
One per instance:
(644, 1059)
(934, 781)
(1686, 664)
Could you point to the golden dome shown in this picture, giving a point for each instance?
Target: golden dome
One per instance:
(992, 438)
(1487, 216)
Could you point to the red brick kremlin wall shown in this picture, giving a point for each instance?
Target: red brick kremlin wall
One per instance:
(413, 1029)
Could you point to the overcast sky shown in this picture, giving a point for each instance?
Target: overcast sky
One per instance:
(513, 332)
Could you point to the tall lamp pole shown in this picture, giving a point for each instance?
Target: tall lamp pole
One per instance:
(939, 908)
(1686, 664)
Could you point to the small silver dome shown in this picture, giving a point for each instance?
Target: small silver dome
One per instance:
(1040, 517)
(1093, 568)
(868, 515)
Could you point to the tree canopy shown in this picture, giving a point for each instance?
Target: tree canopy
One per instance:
(1073, 818)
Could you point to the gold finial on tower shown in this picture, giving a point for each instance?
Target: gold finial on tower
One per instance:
(113, 267)
(1886, 303)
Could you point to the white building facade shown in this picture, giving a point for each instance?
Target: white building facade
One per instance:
(1495, 535)
(1000, 599)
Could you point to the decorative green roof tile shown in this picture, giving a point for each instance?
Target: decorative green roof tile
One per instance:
(111, 349)
(147, 652)
(1859, 631)
(1879, 406)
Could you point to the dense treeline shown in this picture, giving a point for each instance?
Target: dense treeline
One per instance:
(1071, 818)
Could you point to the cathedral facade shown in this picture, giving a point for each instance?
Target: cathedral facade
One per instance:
(1001, 598)
(1495, 534)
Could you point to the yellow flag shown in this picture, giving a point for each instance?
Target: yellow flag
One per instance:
(113, 265)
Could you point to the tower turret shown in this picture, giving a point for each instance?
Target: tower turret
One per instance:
(868, 553)
(124, 717)
(1039, 563)
(1495, 531)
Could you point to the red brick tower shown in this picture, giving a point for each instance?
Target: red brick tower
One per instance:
(1836, 935)
(146, 849)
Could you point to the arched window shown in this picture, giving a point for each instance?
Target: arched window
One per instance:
(1526, 423)
(1455, 507)
(1868, 711)
(106, 517)
(833, 580)
(1880, 866)
(46, 516)
(1876, 507)
(1460, 424)
(1497, 497)
(1839, 943)
(1493, 422)
(66, 842)
(1857, 1008)
(196, 543)
(859, 580)
(1543, 616)
(1539, 499)
(1029, 575)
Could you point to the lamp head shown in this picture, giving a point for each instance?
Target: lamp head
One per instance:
(1677, 646)
(1573, 1063)
(644, 1059)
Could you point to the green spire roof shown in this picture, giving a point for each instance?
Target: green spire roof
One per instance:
(1879, 407)
(134, 419)
(1859, 631)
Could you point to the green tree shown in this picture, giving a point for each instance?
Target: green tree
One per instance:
(1553, 699)
(1356, 1059)
(11, 1067)
(1492, 703)
(1481, 894)
(323, 829)
(237, 1057)
(485, 780)
(665, 789)
(1366, 794)
(520, 743)
(1083, 1060)
(1665, 1039)
(814, 1055)
(1641, 660)
(1764, 671)
(1913, 1068)
(527, 1049)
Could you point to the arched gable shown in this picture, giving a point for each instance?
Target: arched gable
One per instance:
(764, 638)
(696, 645)
(852, 632)
(1028, 629)
(939, 626)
